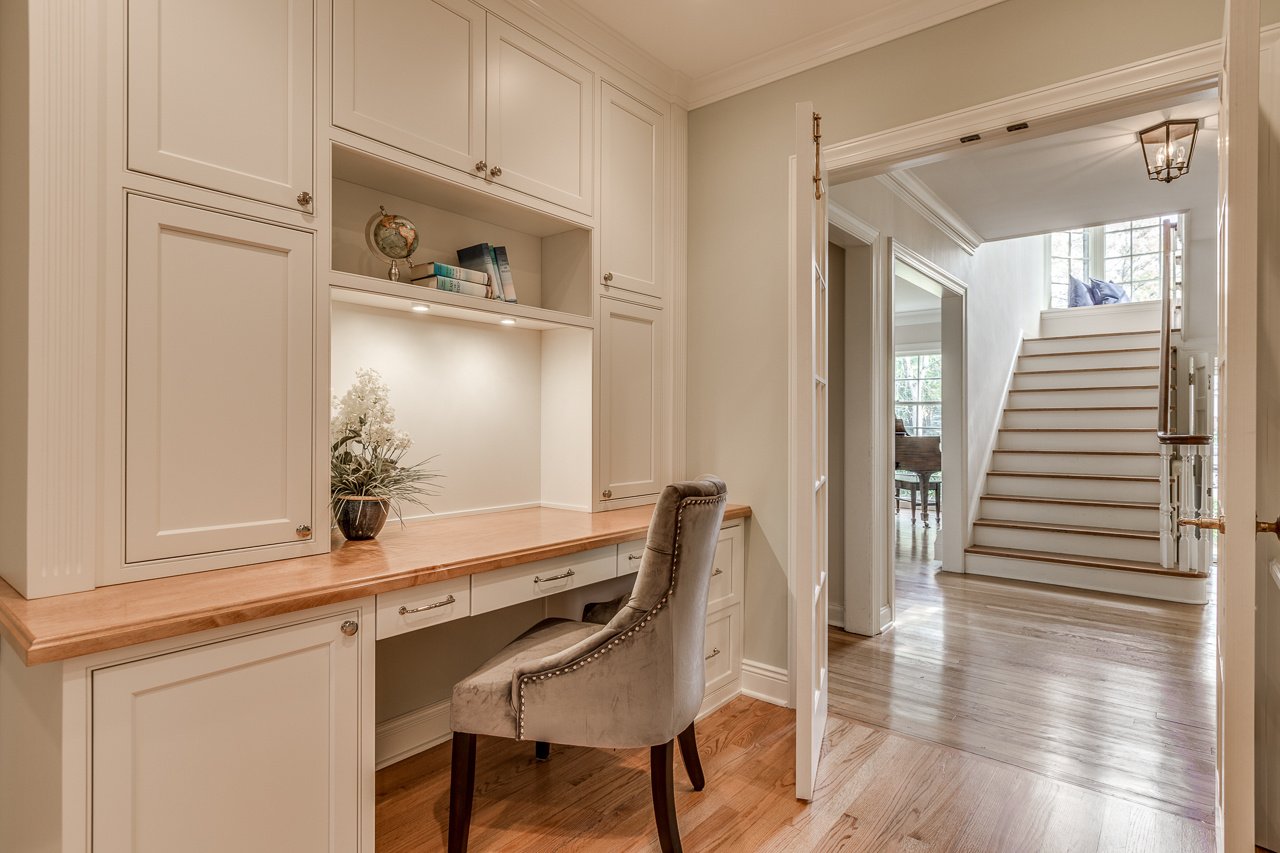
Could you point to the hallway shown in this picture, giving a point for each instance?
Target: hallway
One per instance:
(1108, 693)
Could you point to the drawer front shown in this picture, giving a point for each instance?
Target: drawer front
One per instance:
(504, 587)
(725, 578)
(629, 556)
(721, 653)
(408, 610)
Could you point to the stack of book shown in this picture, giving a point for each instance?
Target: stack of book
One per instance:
(482, 270)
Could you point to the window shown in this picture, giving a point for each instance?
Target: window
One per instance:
(1124, 253)
(918, 393)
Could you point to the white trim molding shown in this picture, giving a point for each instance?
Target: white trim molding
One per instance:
(408, 734)
(766, 682)
(917, 195)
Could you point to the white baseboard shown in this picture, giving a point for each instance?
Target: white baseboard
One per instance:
(719, 698)
(766, 682)
(835, 614)
(411, 733)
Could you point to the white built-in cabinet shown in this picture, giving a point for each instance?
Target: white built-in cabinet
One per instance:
(448, 81)
(251, 743)
(219, 406)
(220, 95)
(632, 185)
(632, 440)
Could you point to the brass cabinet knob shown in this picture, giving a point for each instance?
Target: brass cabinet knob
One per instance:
(496, 172)
(608, 276)
(606, 494)
(304, 529)
(304, 199)
(350, 628)
(481, 166)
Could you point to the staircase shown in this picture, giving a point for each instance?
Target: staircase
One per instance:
(1072, 495)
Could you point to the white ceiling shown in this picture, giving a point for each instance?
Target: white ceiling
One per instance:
(911, 299)
(1081, 177)
(726, 46)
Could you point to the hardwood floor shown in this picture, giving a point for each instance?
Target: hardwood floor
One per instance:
(1111, 693)
(996, 716)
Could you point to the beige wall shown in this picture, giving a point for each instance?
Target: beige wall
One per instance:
(738, 150)
(837, 283)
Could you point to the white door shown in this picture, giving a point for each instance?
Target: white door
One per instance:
(251, 744)
(410, 73)
(632, 400)
(538, 133)
(809, 487)
(631, 177)
(219, 374)
(1241, 552)
(220, 95)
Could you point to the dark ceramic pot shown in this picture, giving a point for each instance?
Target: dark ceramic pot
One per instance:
(361, 518)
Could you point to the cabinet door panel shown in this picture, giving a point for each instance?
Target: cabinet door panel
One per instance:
(220, 95)
(632, 395)
(539, 118)
(246, 744)
(410, 73)
(218, 403)
(631, 177)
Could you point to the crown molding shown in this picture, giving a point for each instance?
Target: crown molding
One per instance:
(916, 193)
(862, 33)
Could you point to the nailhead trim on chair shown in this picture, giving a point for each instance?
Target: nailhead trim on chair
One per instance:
(583, 661)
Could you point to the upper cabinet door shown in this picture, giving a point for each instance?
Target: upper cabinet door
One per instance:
(410, 73)
(219, 375)
(632, 170)
(220, 95)
(539, 119)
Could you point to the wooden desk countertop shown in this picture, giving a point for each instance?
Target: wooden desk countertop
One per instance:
(421, 552)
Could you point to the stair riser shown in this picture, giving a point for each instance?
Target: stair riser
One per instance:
(1081, 397)
(1059, 542)
(1058, 463)
(1087, 516)
(1102, 320)
(1063, 418)
(1169, 588)
(1091, 490)
(1077, 440)
(1036, 346)
(1080, 361)
(1097, 378)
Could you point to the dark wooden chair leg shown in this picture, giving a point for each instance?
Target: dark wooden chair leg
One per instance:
(541, 750)
(664, 796)
(461, 790)
(692, 762)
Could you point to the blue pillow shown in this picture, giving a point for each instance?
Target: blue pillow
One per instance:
(1106, 293)
(1079, 294)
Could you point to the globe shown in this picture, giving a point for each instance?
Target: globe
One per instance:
(392, 237)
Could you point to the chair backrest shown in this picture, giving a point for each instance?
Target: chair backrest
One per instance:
(671, 586)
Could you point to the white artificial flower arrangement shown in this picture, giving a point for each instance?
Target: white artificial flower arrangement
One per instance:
(367, 450)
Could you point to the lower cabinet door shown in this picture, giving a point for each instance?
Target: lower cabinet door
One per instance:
(249, 744)
(633, 392)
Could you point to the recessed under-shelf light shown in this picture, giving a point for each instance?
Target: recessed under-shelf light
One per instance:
(507, 321)
(419, 308)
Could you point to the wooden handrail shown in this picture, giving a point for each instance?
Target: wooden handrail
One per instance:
(1165, 427)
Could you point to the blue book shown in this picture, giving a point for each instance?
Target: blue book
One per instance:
(480, 258)
(504, 273)
(444, 270)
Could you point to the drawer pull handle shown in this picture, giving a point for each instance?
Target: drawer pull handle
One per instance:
(714, 652)
(635, 556)
(559, 577)
(405, 611)
(717, 572)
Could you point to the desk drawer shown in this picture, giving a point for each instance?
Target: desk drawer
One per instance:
(721, 654)
(504, 587)
(432, 604)
(629, 556)
(725, 577)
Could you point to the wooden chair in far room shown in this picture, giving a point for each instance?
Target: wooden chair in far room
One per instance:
(634, 682)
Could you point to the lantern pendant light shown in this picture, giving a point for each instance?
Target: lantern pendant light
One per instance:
(1167, 148)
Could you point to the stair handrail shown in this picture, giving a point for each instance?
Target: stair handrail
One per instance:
(1165, 426)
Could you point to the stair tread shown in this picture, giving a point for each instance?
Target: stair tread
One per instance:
(1125, 478)
(1088, 352)
(1049, 527)
(1086, 452)
(1090, 562)
(1093, 335)
(1078, 429)
(1081, 408)
(1084, 388)
(1086, 369)
(1078, 502)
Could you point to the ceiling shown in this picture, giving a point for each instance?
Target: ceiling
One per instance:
(1081, 177)
(726, 46)
(909, 298)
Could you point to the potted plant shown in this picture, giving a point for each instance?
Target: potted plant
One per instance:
(367, 479)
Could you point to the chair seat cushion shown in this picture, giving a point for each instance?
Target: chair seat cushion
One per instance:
(482, 702)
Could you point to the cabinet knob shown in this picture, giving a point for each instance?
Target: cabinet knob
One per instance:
(481, 166)
(304, 529)
(606, 494)
(496, 172)
(608, 276)
(350, 628)
(304, 199)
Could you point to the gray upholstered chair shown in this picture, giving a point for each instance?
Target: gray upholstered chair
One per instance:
(636, 681)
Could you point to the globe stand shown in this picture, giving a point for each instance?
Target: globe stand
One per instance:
(394, 273)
